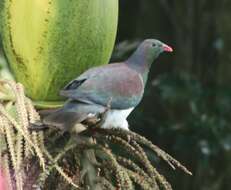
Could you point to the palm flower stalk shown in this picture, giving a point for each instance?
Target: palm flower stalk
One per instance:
(104, 159)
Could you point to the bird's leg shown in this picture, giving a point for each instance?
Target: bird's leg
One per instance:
(98, 120)
(91, 129)
(103, 115)
(92, 121)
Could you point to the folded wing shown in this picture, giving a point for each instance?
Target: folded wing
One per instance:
(116, 84)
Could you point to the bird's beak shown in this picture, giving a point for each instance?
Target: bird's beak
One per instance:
(167, 48)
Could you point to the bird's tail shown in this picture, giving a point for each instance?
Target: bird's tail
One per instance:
(71, 114)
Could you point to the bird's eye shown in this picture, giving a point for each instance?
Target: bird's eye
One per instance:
(153, 45)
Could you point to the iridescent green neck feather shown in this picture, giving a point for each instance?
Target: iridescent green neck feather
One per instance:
(142, 59)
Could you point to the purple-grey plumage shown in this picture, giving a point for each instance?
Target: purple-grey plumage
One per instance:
(117, 83)
(120, 84)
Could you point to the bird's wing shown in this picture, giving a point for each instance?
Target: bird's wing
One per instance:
(114, 84)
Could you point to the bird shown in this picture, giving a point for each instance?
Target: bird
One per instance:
(117, 86)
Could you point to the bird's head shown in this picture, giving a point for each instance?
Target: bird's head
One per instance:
(146, 53)
(142, 59)
(154, 47)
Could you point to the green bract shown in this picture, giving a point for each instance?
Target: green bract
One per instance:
(50, 42)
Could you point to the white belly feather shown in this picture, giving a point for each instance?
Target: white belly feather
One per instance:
(117, 119)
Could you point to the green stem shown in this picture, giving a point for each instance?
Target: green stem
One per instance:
(48, 105)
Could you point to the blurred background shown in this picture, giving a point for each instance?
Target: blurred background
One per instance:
(187, 105)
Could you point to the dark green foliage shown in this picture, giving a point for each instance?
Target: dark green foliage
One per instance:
(194, 122)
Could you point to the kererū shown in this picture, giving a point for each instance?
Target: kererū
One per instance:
(119, 85)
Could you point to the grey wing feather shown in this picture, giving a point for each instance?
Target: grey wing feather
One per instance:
(74, 84)
(101, 84)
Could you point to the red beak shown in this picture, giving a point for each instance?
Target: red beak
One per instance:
(167, 48)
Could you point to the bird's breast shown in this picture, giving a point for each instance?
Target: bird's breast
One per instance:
(117, 118)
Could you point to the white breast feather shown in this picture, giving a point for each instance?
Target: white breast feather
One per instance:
(117, 119)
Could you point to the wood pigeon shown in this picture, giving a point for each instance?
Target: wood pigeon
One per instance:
(121, 85)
